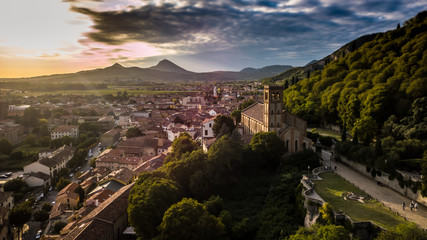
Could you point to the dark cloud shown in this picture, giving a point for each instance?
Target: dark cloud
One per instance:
(249, 26)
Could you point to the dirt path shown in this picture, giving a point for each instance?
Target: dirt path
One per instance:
(384, 195)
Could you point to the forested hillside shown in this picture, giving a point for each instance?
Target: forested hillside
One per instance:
(378, 93)
(364, 88)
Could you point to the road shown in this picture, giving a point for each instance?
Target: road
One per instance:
(385, 195)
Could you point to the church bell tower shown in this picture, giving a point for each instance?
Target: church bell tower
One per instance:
(273, 108)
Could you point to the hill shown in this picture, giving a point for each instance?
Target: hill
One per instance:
(361, 89)
(164, 71)
(293, 75)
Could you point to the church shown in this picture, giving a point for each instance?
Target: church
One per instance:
(270, 116)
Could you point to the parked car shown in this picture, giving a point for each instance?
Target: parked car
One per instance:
(39, 234)
(3, 176)
(8, 174)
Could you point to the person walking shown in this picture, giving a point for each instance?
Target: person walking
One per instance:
(403, 205)
(411, 205)
(416, 206)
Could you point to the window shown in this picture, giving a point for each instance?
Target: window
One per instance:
(296, 145)
(206, 132)
(210, 124)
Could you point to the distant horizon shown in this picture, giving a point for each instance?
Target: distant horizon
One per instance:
(67, 36)
(238, 70)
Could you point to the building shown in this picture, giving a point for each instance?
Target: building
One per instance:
(51, 163)
(270, 116)
(6, 200)
(107, 221)
(65, 130)
(3, 109)
(110, 138)
(207, 125)
(193, 102)
(106, 123)
(68, 196)
(14, 133)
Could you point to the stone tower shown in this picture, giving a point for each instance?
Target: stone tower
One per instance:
(273, 108)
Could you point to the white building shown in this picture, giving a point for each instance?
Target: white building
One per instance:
(65, 130)
(207, 125)
(52, 164)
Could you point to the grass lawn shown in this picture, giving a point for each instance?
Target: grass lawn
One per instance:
(331, 188)
(327, 133)
(28, 148)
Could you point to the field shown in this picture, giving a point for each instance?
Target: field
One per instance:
(331, 188)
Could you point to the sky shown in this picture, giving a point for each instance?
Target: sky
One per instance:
(43, 37)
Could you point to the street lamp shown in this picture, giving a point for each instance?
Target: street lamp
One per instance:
(309, 170)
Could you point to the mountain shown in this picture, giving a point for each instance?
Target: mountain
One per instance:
(164, 71)
(266, 71)
(168, 66)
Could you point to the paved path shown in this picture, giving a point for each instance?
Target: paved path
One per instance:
(384, 195)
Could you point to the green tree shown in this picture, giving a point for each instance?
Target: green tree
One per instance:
(246, 104)
(16, 185)
(40, 216)
(19, 215)
(31, 117)
(55, 143)
(6, 147)
(237, 114)
(81, 194)
(402, 232)
(133, 132)
(17, 155)
(47, 207)
(268, 148)
(183, 144)
(189, 220)
(31, 140)
(62, 183)
(58, 226)
(317, 232)
(149, 199)
(223, 120)
(182, 171)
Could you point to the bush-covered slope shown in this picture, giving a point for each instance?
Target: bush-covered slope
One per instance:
(362, 89)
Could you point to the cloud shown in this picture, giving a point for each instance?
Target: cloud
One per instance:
(196, 27)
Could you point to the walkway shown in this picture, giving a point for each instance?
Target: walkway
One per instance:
(385, 195)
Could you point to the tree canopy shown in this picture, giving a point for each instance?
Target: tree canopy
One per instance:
(133, 132)
(149, 199)
(189, 219)
(221, 121)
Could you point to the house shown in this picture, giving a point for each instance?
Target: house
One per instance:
(107, 221)
(4, 224)
(150, 165)
(110, 138)
(6, 200)
(193, 102)
(37, 179)
(207, 125)
(123, 176)
(68, 196)
(99, 197)
(139, 146)
(106, 123)
(51, 163)
(269, 116)
(65, 130)
(14, 133)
